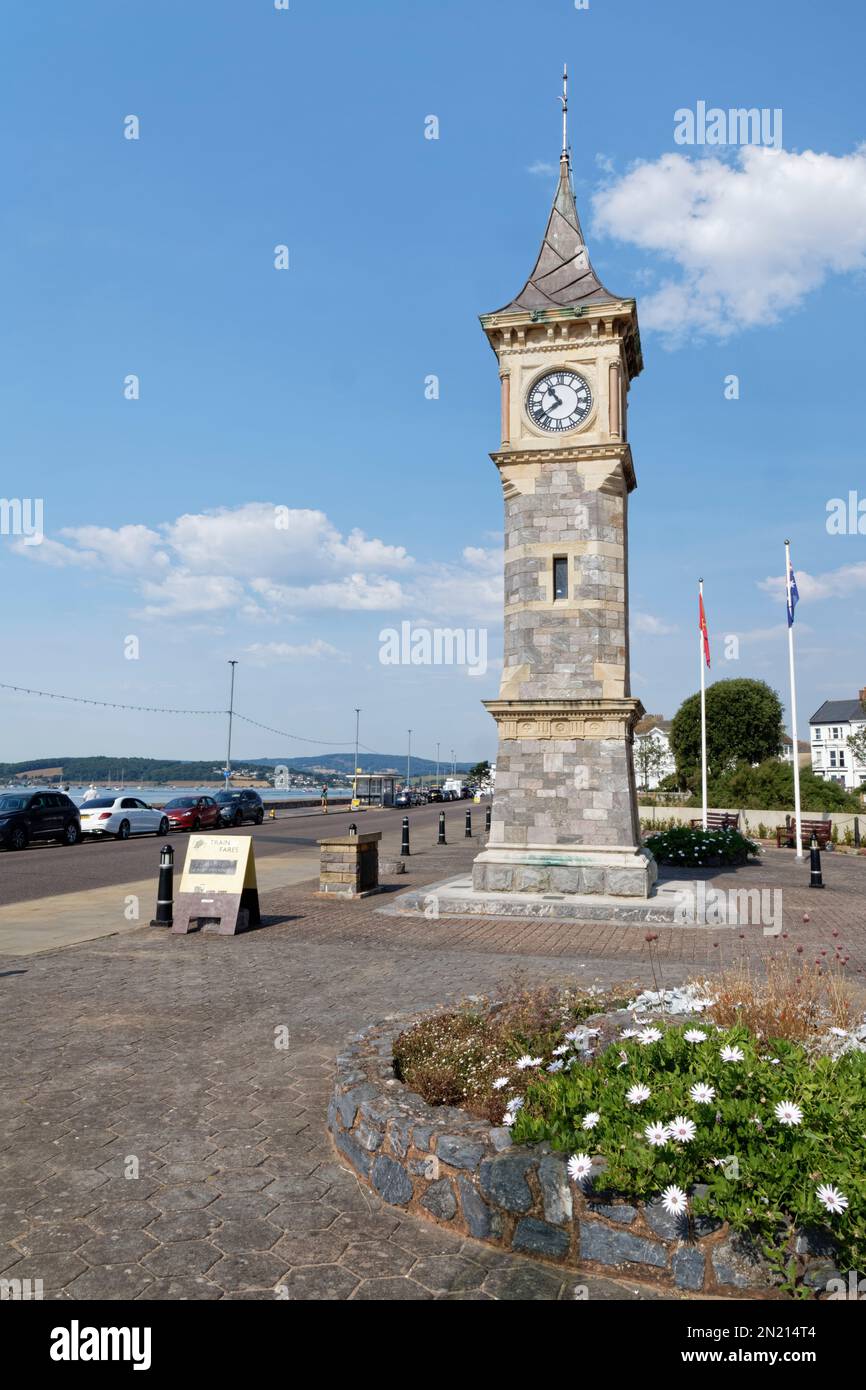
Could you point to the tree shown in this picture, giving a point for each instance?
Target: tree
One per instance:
(857, 744)
(770, 787)
(744, 725)
(479, 773)
(649, 758)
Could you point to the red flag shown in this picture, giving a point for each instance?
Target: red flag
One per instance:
(702, 624)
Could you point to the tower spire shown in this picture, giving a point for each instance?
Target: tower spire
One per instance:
(564, 100)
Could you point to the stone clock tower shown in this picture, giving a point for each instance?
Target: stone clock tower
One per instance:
(565, 811)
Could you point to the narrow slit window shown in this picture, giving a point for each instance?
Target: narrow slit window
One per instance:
(560, 576)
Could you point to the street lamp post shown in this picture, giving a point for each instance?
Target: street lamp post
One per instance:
(437, 764)
(355, 770)
(408, 759)
(453, 764)
(233, 664)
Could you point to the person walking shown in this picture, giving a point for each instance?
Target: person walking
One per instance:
(90, 793)
(325, 800)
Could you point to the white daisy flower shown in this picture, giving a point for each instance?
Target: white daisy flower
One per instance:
(575, 1035)
(787, 1113)
(591, 1120)
(515, 1103)
(657, 1134)
(526, 1061)
(508, 1118)
(629, 1033)
(682, 1129)
(500, 1082)
(701, 1093)
(561, 1050)
(637, 1094)
(732, 1054)
(675, 1201)
(694, 1035)
(556, 1066)
(648, 1035)
(579, 1167)
(831, 1199)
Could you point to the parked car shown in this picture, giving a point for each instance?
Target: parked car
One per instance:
(193, 813)
(239, 806)
(404, 799)
(26, 816)
(435, 794)
(122, 816)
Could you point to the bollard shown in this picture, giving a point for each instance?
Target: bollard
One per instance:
(468, 834)
(353, 829)
(441, 840)
(816, 880)
(856, 832)
(404, 847)
(272, 815)
(165, 892)
(487, 819)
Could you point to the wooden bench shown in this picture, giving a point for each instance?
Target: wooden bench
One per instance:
(718, 820)
(821, 829)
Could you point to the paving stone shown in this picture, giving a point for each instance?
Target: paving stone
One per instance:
(250, 1233)
(184, 1225)
(389, 1291)
(448, 1273)
(184, 1259)
(321, 1283)
(122, 1247)
(373, 1259)
(255, 1269)
(314, 1248)
(121, 1216)
(180, 1291)
(110, 1282)
(55, 1237)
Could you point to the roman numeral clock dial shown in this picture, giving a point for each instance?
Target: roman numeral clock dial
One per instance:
(559, 401)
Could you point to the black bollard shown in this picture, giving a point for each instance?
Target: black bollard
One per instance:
(441, 840)
(404, 847)
(468, 835)
(353, 829)
(856, 832)
(816, 880)
(487, 819)
(165, 891)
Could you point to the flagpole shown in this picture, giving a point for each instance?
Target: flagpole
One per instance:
(798, 820)
(702, 659)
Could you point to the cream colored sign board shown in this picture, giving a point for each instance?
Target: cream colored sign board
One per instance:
(219, 864)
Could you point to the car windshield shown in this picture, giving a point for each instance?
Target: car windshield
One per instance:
(180, 803)
(13, 803)
(225, 798)
(100, 801)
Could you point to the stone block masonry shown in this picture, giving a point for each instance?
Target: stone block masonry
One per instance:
(349, 865)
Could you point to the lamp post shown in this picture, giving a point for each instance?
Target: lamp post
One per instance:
(355, 771)
(408, 759)
(233, 664)
(437, 764)
(453, 764)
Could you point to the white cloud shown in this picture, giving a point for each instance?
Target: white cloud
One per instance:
(840, 583)
(356, 592)
(646, 622)
(264, 653)
(750, 238)
(541, 166)
(181, 593)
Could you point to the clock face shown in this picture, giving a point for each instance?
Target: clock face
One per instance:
(559, 401)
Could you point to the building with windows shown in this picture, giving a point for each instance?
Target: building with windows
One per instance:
(653, 756)
(830, 728)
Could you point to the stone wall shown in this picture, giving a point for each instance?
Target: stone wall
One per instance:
(443, 1165)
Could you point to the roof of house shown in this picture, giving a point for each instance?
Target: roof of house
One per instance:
(838, 712)
(650, 722)
(803, 744)
(563, 276)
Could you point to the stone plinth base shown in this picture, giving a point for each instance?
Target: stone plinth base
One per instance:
(456, 897)
(602, 870)
(349, 865)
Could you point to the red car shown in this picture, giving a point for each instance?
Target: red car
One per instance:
(193, 813)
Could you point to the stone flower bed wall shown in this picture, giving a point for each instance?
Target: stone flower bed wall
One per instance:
(445, 1165)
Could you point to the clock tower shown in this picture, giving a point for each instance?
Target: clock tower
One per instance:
(565, 817)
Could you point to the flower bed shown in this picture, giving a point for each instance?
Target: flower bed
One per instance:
(685, 848)
(653, 1185)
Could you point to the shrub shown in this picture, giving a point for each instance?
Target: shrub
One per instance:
(762, 1175)
(794, 1000)
(697, 848)
(770, 787)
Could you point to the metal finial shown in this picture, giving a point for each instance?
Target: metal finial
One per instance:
(564, 100)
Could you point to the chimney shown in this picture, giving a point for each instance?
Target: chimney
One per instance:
(863, 696)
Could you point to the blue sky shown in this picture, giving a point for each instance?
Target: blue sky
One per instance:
(304, 388)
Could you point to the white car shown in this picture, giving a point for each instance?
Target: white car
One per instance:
(121, 816)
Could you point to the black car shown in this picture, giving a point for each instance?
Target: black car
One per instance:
(239, 806)
(26, 816)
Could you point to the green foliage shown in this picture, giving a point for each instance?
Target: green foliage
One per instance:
(768, 1176)
(689, 848)
(770, 787)
(479, 773)
(744, 724)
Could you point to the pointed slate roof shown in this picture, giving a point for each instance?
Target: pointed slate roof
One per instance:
(563, 276)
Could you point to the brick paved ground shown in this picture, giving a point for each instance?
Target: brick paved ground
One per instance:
(162, 1051)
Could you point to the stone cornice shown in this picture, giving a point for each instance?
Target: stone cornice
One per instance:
(617, 453)
(565, 719)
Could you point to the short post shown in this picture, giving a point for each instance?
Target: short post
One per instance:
(468, 834)
(441, 840)
(165, 891)
(816, 880)
(856, 832)
(272, 815)
(404, 847)
(487, 819)
(353, 829)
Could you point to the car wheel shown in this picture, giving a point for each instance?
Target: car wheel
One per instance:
(164, 826)
(260, 815)
(71, 834)
(19, 838)
(238, 819)
(122, 831)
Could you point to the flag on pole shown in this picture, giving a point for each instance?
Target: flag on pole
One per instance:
(793, 597)
(702, 624)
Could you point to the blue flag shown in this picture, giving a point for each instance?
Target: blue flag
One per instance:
(793, 597)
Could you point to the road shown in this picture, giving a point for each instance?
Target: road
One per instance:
(42, 871)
